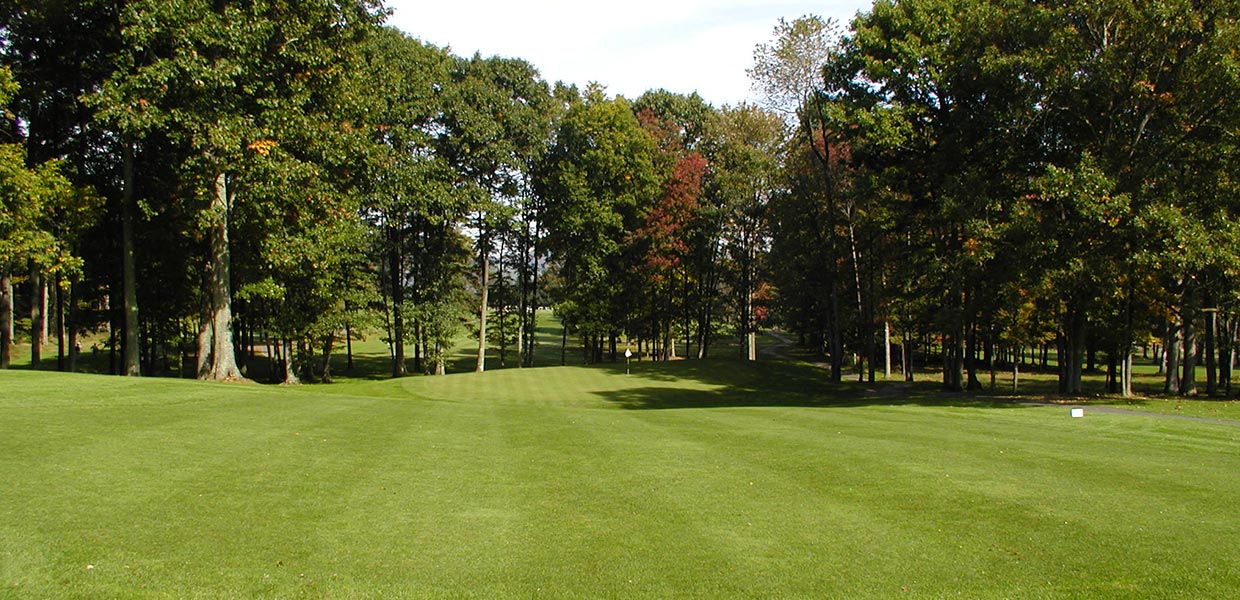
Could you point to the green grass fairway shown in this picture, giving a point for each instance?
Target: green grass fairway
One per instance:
(690, 479)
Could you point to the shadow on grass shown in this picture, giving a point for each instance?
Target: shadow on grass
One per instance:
(773, 383)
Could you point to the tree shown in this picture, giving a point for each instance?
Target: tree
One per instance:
(226, 80)
(594, 181)
(41, 213)
(789, 73)
(39, 40)
(747, 176)
(407, 186)
(495, 126)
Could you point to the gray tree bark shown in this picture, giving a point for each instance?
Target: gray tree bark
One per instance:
(6, 320)
(482, 312)
(130, 361)
(37, 294)
(222, 362)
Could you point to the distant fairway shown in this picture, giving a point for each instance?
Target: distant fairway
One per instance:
(689, 479)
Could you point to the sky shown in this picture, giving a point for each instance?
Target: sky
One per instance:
(630, 47)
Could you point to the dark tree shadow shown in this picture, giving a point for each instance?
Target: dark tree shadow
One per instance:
(774, 383)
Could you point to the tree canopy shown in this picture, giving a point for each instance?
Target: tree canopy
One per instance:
(972, 182)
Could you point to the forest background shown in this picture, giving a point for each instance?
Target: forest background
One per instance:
(970, 184)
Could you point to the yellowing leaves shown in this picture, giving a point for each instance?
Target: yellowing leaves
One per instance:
(263, 147)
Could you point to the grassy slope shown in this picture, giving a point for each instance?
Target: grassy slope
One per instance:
(688, 479)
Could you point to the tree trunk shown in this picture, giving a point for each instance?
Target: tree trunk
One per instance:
(970, 359)
(396, 271)
(348, 349)
(204, 344)
(886, 350)
(61, 349)
(6, 320)
(1171, 354)
(325, 373)
(501, 312)
(906, 356)
(1071, 349)
(989, 358)
(291, 363)
(1225, 342)
(37, 294)
(130, 358)
(532, 326)
(836, 334)
(1233, 335)
(687, 313)
(485, 261)
(747, 321)
(953, 362)
(1113, 374)
(1209, 335)
(1188, 380)
(1125, 385)
(223, 363)
(71, 326)
(520, 337)
(523, 287)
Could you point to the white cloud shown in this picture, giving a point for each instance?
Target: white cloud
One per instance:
(679, 45)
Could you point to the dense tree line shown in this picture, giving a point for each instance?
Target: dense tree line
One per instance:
(212, 186)
(1006, 176)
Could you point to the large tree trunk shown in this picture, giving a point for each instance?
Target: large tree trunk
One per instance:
(222, 363)
(1171, 358)
(291, 363)
(1125, 384)
(325, 373)
(1188, 380)
(6, 320)
(1072, 349)
(130, 360)
(204, 344)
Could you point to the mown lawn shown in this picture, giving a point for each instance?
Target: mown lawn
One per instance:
(691, 479)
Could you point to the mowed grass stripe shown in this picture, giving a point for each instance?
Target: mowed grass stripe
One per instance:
(222, 485)
(1016, 513)
(588, 483)
(1074, 500)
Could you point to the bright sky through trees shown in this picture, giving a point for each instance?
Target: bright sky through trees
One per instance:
(682, 45)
